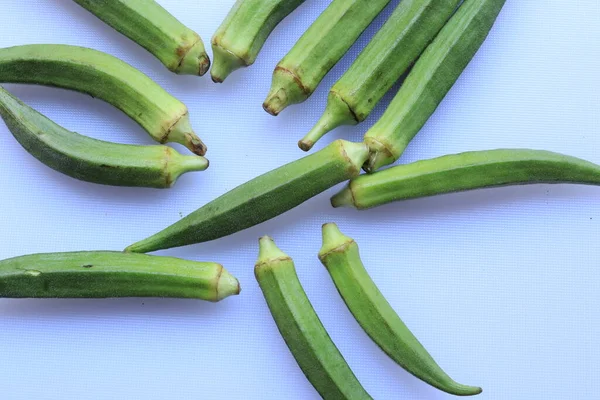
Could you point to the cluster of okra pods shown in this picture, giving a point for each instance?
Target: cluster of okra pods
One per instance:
(431, 41)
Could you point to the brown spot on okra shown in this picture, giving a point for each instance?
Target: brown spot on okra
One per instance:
(168, 177)
(87, 266)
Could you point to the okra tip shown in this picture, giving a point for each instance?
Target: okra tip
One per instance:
(195, 61)
(227, 285)
(224, 63)
(182, 132)
(268, 252)
(333, 239)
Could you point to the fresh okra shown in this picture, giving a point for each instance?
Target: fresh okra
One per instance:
(148, 24)
(399, 42)
(101, 274)
(299, 73)
(465, 171)
(432, 76)
(300, 327)
(93, 160)
(107, 78)
(262, 198)
(243, 33)
(340, 256)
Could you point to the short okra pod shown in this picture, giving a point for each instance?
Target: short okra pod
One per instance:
(301, 328)
(432, 76)
(262, 198)
(243, 33)
(465, 171)
(102, 274)
(376, 316)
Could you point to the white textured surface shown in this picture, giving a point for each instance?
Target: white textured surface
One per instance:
(500, 285)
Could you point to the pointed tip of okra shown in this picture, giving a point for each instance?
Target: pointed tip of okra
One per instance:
(227, 285)
(268, 251)
(181, 132)
(224, 63)
(195, 61)
(333, 239)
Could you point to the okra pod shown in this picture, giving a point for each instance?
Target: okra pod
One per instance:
(301, 328)
(299, 73)
(432, 76)
(340, 255)
(465, 171)
(102, 274)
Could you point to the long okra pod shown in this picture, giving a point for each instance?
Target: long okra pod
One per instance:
(434, 73)
(243, 33)
(148, 24)
(465, 171)
(300, 327)
(263, 197)
(340, 256)
(399, 42)
(299, 73)
(93, 160)
(107, 78)
(101, 274)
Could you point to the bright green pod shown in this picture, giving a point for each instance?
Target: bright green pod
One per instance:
(399, 42)
(301, 328)
(148, 24)
(241, 36)
(262, 198)
(376, 316)
(432, 76)
(465, 171)
(103, 274)
(106, 78)
(93, 160)
(299, 73)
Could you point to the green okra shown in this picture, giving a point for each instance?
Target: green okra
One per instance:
(299, 73)
(301, 328)
(241, 36)
(262, 198)
(399, 42)
(465, 171)
(102, 274)
(376, 316)
(93, 160)
(432, 76)
(107, 78)
(148, 24)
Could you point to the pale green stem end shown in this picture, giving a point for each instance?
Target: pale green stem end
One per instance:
(181, 132)
(224, 63)
(227, 285)
(343, 198)
(286, 89)
(268, 251)
(333, 239)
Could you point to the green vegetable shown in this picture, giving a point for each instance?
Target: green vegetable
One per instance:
(243, 33)
(148, 24)
(262, 198)
(429, 81)
(301, 70)
(465, 171)
(340, 256)
(410, 28)
(100, 274)
(107, 78)
(93, 160)
(300, 327)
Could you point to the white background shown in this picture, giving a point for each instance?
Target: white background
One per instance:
(500, 285)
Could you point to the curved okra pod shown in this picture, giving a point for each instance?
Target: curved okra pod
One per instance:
(399, 42)
(148, 24)
(433, 75)
(465, 171)
(243, 33)
(300, 327)
(340, 256)
(93, 160)
(299, 73)
(101, 274)
(107, 78)
(262, 198)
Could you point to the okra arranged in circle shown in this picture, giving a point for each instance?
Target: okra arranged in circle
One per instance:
(262, 198)
(299, 73)
(465, 171)
(148, 24)
(432, 76)
(301, 328)
(107, 78)
(102, 274)
(241, 36)
(399, 42)
(93, 160)
(340, 256)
